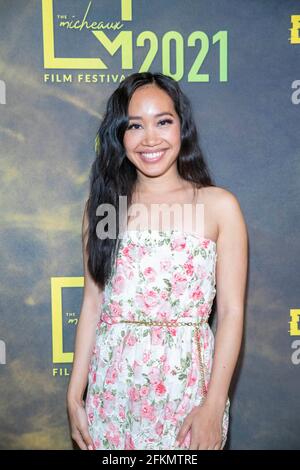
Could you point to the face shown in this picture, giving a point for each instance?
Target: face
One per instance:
(153, 138)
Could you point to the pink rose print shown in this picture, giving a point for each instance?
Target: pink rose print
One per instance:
(106, 318)
(144, 391)
(126, 252)
(150, 274)
(97, 444)
(106, 408)
(150, 298)
(108, 396)
(173, 331)
(90, 418)
(179, 278)
(189, 269)
(160, 389)
(112, 375)
(159, 428)
(157, 336)
(147, 411)
(134, 394)
(178, 244)
(113, 435)
(162, 316)
(192, 378)
(146, 356)
(153, 375)
(169, 414)
(96, 400)
(122, 412)
(115, 310)
(129, 444)
(142, 251)
(178, 284)
(125, 269)
(205, 243)
(118, 285)
(203, 311)
(130, 315)
(131, 340)
(197, 294)
(164, 295)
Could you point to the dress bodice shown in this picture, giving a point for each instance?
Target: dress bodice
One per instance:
(161, 275)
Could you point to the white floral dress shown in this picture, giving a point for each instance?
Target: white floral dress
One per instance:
(145, 378)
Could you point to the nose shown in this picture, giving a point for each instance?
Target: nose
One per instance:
(151, 137)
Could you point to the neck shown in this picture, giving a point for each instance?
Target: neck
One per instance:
(159, 185)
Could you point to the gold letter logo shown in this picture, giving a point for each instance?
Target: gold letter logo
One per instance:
(57, 284)
(295, 38)
(295, 319)
(123, 40)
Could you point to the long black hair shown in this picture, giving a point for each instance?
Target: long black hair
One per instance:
(113, 174)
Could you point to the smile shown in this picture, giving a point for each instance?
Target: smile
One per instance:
(152, 156)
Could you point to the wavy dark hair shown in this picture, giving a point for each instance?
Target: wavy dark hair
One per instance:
(113, 175)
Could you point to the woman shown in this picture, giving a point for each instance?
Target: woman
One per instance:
(157, 377)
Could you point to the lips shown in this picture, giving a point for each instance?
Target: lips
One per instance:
(152, 156)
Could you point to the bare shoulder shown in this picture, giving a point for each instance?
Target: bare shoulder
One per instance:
(229, 215)
(218, 197)
(228, 218)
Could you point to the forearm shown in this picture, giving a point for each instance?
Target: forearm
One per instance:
(84, 344)
(228, 340)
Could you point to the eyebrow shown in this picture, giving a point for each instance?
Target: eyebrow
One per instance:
(156, 115)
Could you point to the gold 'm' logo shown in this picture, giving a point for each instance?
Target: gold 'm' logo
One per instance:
(57, 284)
(123, 40)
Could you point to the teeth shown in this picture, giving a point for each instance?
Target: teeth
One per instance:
(152, 155)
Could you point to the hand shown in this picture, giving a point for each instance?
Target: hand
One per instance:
(205, 424)
(79, 425)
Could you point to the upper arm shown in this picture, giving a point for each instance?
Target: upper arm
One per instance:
(232, 259)
(92, 293)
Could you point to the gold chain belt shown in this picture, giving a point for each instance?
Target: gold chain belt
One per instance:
(170, 324)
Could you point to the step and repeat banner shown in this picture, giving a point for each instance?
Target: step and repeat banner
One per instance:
(239, 63)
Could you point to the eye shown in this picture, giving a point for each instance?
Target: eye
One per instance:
(169, 121)
(131, 126)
